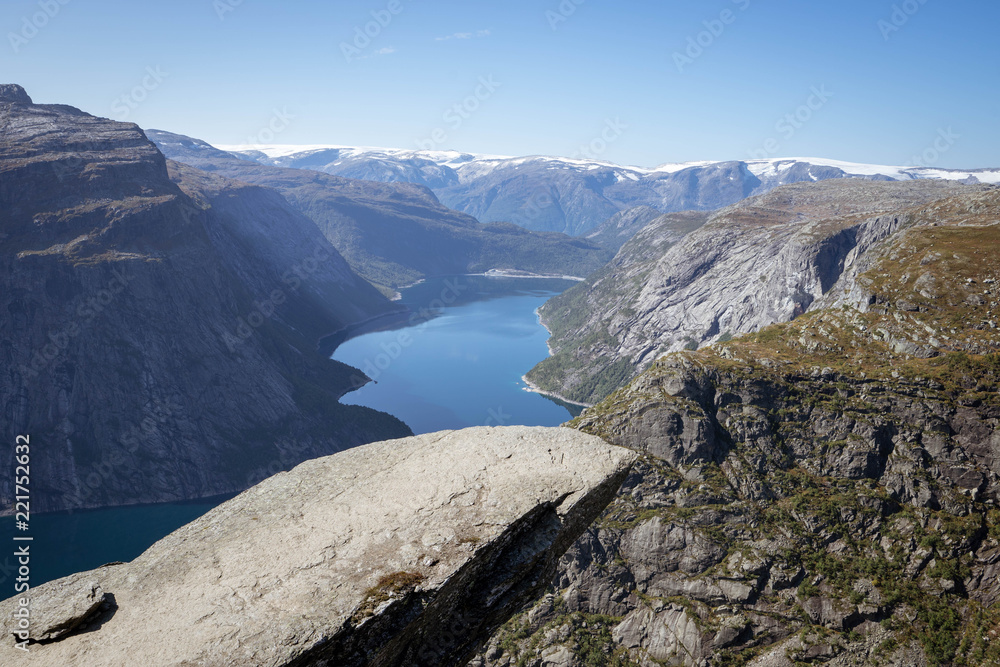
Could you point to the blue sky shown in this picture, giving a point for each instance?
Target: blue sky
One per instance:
(558, 74)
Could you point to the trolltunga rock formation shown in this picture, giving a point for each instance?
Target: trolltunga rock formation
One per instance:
(405, 552)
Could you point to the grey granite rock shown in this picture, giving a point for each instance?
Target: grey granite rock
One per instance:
(406, 552)
(807, 495)
(767, 259)
(67, 604)
(11, 93)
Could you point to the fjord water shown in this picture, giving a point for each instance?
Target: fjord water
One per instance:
(66, 542)
(459, 363)
(459, 359)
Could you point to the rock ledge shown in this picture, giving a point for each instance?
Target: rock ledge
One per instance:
(405, 552)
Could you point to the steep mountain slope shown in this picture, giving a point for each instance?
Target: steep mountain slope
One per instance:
(396, 233)
(824, 491)
(619, 228)
(576, 195)
(158, 346)
(764, 260)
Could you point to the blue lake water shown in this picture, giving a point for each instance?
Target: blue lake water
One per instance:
(67, 542)
(457, 362)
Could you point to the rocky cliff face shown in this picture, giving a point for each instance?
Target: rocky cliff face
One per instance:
(407, 552)
(621, 227)
(396, 233)
(824, 491)
(158, 343)
(767, 259)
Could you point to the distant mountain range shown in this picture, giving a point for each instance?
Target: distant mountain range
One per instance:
(395, 233)
(576, 196)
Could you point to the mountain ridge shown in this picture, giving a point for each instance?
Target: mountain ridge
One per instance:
(764, 260)
(154, 348)
(393, 233)
(574, 195)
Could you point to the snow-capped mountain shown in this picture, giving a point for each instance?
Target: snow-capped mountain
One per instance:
(577, 195)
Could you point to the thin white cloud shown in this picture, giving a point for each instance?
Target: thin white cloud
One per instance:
(384, 51)
(464, 35)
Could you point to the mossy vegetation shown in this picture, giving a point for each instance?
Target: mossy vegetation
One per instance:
(388, 587)
(835, 437)
(588, 637)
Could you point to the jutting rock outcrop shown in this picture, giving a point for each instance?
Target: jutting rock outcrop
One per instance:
(405, 552)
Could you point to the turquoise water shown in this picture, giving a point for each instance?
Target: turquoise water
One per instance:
(459, 361)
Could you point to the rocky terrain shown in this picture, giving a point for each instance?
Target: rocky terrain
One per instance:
(159, 342)
(577, 195)
(407, 552)
(822, 491)
(394, 234)
(767, 259)
(621, 227)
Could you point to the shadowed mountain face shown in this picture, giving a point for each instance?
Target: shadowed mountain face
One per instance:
(396, 233)
(575, 200)
(158, 342)
(764, 260)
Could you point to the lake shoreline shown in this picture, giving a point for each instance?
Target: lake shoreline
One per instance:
(532, 387)
(485, 336)
(514, 273)
(535, 389)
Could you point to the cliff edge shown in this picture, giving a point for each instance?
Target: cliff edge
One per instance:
(405, 552)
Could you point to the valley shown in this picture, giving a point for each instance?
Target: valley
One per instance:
(394, 234)
(386, 407)
(476, 347)
(576, 196)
